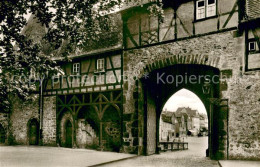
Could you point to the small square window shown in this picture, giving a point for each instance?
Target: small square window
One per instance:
(252, 46)
(76, 68)
(101, 65)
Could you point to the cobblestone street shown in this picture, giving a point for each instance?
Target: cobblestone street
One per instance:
(195, 156)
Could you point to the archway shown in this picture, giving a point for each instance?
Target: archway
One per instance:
(88, 128)
(2, 134)
(111, 129)
(33, 131)
(65, 129)
(68, 134)
(164, 82)
(184, 120)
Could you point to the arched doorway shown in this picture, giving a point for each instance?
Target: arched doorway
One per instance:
(68, 134)
(163, 83)
(65, 129)
(2, 134)
(184, 120)
(33, 132)
(87, 133)
(111, 129)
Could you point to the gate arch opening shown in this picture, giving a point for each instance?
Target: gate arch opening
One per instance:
(111, 129)
(163, 83)
(184, 120)
(33, 131)
(87, 134)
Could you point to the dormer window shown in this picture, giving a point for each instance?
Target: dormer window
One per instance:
(76, 68)
(101, 65)
(205, 8)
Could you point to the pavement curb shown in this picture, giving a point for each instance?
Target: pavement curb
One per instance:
(104, 163)
(219, 164)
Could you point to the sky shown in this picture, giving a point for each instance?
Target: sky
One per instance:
(184, 98)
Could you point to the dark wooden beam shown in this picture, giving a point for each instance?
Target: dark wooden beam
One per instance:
(112, 65)
(231, 14)
(185, 29)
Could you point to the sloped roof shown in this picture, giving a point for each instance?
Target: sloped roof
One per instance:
(252, 8)
(167, 117)
(189, 111)
(110, 40)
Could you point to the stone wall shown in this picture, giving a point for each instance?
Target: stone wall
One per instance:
(244, 124)
(151, 125)
(49, 121)
(224, 51)
(133, 121)
(22, 113)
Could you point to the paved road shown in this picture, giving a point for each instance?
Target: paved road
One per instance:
(193, 157)
(20, 156)
(33, 156)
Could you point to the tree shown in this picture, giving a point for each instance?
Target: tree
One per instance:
(68, 23)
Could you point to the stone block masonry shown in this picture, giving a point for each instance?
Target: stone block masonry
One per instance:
(22, 113)
(244, 126)
(49, 121)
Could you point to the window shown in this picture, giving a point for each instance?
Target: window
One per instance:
(76, 68)
(211, 8)
(205, 8)
(101, 65)
(252, 55)
(200, 9)
(252, 46)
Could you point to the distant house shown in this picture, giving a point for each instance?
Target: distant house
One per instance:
(192, 121)
(204, 121)
(182, 119)
(181, 123)
(167, 126)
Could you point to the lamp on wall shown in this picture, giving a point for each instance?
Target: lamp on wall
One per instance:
(206, 87)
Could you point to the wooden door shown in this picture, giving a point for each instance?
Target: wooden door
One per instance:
(2, 134)
(33, 133)
(68, 134)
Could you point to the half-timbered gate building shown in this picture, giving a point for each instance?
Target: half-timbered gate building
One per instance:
(110, 99)
(89, 100)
